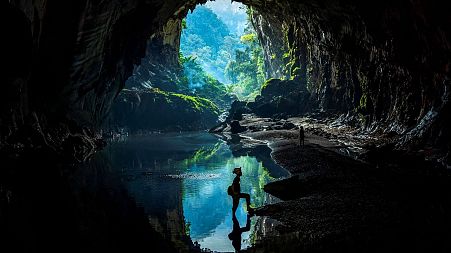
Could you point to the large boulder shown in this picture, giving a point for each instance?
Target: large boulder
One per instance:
(237, 109)
(281, 96)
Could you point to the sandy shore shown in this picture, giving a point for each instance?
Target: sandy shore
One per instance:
(335, 202)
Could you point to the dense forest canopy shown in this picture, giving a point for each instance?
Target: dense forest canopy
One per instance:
(219, 46)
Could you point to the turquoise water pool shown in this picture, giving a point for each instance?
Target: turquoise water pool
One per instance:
(181, 180)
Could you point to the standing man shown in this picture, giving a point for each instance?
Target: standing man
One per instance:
(301, 136)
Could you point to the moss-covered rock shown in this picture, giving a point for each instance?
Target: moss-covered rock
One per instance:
(154, 109)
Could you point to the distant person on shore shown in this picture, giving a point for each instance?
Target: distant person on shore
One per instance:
(235, 235)
(234, 190)
(301, 136)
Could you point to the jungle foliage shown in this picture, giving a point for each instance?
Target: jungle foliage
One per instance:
(218, 63)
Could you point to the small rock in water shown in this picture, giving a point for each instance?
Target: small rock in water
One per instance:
(235, 127)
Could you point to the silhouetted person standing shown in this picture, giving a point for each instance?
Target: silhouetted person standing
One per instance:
(301, 136)
(235, 235)
(235, 191)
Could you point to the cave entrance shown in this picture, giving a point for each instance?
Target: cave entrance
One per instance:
(220, 53)
(197, 64)
(193, 70)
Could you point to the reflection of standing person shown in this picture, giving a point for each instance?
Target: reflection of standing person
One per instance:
(237, 194)
(301, 135)
(235, 235)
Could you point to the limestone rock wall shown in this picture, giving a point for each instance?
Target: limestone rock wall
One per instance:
(387, 62)
(160, 67)
(68, 60)
(270, 34)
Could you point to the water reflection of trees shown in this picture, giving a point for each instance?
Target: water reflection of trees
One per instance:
(206, 204)
(203, 154)
(181, 182)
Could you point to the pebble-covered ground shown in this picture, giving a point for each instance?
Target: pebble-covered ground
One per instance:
(342, 199)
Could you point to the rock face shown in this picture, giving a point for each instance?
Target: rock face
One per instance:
(281, 97)
(270, 34)
(68, 61)
(388, 61)
(153, 109)
(160, 67)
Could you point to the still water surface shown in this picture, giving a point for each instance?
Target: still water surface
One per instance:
(181, 180)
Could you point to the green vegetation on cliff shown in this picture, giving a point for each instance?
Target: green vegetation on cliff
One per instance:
(197, 82)
(155, 109)
(198, 103)
(215, 68)
(247, 71)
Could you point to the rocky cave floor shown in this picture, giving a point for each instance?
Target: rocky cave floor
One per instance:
(346, 195)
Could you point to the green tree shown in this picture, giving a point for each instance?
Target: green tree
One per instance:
(246, 71)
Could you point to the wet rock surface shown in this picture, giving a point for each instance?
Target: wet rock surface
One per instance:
(386, 200)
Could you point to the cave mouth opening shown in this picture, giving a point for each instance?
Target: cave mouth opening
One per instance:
(194, 68)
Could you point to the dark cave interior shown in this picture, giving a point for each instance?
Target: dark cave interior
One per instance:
(383, 66)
